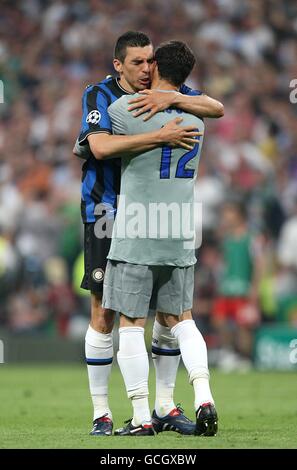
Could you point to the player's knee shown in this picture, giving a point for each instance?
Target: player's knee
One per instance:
(102, 326)
(171, 320)
(102, 319)
(103, 323)
(127, 322)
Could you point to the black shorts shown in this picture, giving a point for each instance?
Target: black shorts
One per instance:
(95, 254)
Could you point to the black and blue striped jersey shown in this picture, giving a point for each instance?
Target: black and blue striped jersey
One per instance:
(101, 178)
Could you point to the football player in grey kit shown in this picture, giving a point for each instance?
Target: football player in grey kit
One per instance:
(151, 264)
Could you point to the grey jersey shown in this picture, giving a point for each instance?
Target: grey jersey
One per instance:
(155, 221)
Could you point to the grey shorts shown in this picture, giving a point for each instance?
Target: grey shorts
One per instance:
(134, 289)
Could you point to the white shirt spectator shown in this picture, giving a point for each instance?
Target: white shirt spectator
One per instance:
(287, 247)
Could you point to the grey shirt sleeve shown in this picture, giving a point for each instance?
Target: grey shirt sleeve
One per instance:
(82, 151)
(119, 115)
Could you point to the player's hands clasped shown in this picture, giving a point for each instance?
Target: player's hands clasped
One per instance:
(151, 102)
(174, 135)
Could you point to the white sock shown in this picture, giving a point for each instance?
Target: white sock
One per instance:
(194, 355)
(202, 391)
(166, 357)
(99, 355)
(133, 362)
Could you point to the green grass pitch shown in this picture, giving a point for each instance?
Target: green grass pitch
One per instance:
(49, 407)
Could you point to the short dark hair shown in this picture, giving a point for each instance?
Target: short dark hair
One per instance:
(175, 61)
(130, 39)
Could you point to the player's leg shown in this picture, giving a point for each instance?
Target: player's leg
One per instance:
(127, 288)
(194, 355)
(99, 357)
(98, 341)
(191, 344)
(133, 362)
(166, 358)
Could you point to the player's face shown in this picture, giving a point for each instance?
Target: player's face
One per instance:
(135, 72)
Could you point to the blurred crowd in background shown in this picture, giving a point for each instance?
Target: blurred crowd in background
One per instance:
(246, 57)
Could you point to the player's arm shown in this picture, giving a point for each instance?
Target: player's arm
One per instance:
(104, 145)
(199, 105)
(96, 130)
(194, 102)
(95, 119)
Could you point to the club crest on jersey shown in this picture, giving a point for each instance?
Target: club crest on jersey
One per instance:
(98, 275)
(93, 117)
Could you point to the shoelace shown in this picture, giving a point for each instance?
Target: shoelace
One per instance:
(181, 410)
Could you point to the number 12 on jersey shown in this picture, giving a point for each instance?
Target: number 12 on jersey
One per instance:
(181, 170)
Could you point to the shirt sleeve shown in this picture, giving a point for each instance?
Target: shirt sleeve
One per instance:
(82, 151)
(186, 90)
(95, 117)
(119, 116)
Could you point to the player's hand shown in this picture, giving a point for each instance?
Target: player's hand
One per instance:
(175, 135)
(151, 102)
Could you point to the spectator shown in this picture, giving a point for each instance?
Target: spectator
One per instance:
(236, 310)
